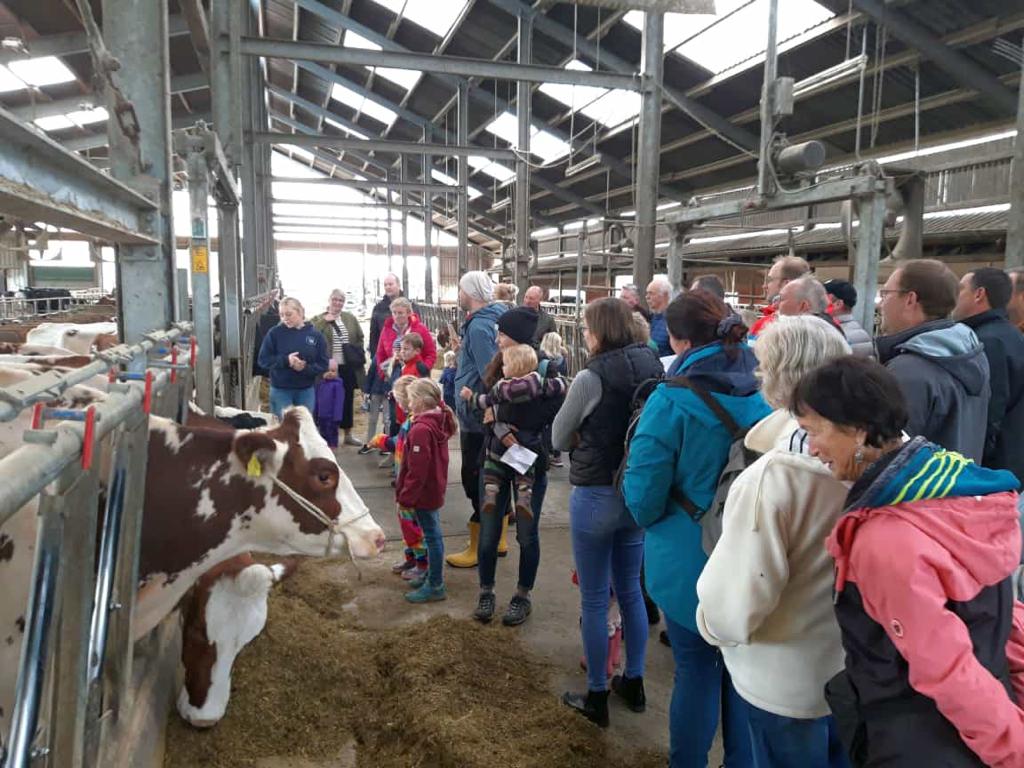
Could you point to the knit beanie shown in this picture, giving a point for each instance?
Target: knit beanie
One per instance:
(519, 324)
(478, 285)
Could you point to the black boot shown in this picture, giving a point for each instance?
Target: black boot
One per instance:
(593, 705)
(631, 691)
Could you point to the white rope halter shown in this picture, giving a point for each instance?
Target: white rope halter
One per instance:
(333, 526)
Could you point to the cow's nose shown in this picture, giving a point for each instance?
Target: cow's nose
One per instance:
(380, 541)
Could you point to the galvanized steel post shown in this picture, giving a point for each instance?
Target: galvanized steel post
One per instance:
(232, 377)
(428, 225)
(869, 251)
(520, 273)
(403, 170)
(649, 148)
(463, 138)
(136, 35)
(1015, 231)
(202, 309)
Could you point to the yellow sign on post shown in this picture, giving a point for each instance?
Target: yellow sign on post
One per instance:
(200, 259)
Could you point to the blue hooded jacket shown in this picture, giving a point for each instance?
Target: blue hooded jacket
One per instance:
(679, 442)
(479, 345)
(280, 342)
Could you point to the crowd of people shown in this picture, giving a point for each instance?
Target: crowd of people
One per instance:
(829, 522)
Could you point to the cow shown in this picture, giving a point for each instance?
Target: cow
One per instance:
(80, 338)
(211, 494)
(225, 611)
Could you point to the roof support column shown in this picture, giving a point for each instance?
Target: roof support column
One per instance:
(403, 178)
(463, 139)
(202, 307)
(520, 274)
(676, 272)
(869, 251)
(428, 224)
(229, 270)
(252, 227)
(1015, 235)
(649, 148)
(136, 35)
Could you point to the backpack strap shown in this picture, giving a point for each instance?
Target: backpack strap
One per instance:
(735, 430)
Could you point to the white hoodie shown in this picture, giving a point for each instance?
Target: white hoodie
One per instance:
(766, 592)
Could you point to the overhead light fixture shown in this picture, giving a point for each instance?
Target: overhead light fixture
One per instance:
(500, 205)
(819, 81)
(584, 165)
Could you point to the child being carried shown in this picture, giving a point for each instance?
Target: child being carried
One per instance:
(522, 383)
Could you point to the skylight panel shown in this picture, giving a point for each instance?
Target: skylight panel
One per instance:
(8, 82)
(355, 40)
(444, 178)
(406, 78)
(45, 70)
(87, 116)
(346, 129)
(437, 16)
(608, 107)
(492, 169)
(54, 123)
(361, 104)
(745, 33)
(543, 144)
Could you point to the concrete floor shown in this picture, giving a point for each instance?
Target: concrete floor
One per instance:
(552, 631)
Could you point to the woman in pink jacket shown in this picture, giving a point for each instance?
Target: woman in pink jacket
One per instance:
(924, 554)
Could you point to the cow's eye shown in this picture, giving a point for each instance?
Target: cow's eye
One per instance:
(324, 478)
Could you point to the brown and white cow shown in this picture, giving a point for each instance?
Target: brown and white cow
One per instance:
(205, 503)
(225, 611)
(80, 338)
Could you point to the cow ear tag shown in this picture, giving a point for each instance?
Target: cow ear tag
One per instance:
(254, 469)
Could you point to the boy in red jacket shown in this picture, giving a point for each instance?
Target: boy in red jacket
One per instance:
(423, 477)
(408, 362)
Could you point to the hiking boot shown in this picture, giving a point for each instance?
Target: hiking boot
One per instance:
(518, 609)
(426, 593)
(593, 705)
(402, 566)
(484, 608)
(631, 691)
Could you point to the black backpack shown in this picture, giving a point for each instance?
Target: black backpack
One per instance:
(740, 457)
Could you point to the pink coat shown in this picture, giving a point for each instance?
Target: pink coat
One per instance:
(385, 347)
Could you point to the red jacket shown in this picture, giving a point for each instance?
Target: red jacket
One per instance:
(423, 476)
(386, 346)
(415, 367)
(768, 315)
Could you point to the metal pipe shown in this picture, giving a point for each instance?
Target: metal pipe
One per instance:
(202, 309)
(487, 69)
(229, 272)
(403, 176)
(1015, 230)
(369, 184)
(581, 243)
(109, 545)
(869, 251)
(522, 199)
(428, 225)
(379, 145)
(771, 61)
(463, 215)
(649, 149)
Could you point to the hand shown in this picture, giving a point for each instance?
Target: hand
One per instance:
(509, 440)
(331, 374)
(466, 393)
(489, 416)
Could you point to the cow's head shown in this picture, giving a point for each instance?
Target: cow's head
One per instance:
(296, 455)
(227, 610)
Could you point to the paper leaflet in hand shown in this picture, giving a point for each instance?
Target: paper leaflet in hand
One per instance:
(519, 458)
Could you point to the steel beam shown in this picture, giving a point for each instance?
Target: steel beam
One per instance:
(648, 149)
(1015, 230)
(958, 66)
(98, 140)
(403, 186)
(225, 100)
(229, 272)
(869, 251)
(308, 131)
(524, 54)
(69, 43)
(42, 181)
(199, 30)
(180, 84)
(428, 224)
(587, 49)
(378, 145)
(463, 215)
(199, 250)
(445, 65)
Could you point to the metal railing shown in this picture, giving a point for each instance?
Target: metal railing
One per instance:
(18, 308)
(437, 316)
(79, 613)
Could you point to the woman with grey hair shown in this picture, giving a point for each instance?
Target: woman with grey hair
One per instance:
(344, 338)
(765, 593)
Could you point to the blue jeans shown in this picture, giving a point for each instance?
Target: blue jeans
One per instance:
(609, 550)
(282, 398)
(430, 522)
(701, 688)
(786, 742)
(526, 532)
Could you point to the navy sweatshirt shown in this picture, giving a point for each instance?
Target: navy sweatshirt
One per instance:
(280, 342)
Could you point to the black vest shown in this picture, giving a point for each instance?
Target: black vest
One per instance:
(602, 434)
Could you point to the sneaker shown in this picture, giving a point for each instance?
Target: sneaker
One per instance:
(417, 580)
(484, 608)
(365, 450)
(426, 593)
(557, 463)
(518, 609)
(402, 566)
(353, 441)
(413, 573)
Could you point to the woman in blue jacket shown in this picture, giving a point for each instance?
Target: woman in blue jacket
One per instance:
(679, 443)
(295, 353)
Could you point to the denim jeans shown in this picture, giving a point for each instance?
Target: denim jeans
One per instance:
(430, 522)
(526, 533)
(377, 402)
(701, 688)
(609, 549)
(786, 742)
(282, 398)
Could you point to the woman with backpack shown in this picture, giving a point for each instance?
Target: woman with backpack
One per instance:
(607, 545)
(676, 456)
(766, 591)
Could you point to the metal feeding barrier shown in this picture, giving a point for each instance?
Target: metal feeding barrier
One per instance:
(76, 656)
(13, 308)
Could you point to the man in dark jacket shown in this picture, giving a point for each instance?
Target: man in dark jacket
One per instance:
(981, 306)
(382, 309)
(545, 323)
(939, 363)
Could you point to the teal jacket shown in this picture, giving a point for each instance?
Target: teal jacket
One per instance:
(678, 441)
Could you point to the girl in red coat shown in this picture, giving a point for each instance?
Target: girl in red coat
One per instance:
(423, 477)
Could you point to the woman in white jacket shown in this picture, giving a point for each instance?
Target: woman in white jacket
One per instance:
(765, 593)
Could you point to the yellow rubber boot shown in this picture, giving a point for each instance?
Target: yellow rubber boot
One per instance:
(503, 541)
(467, 557)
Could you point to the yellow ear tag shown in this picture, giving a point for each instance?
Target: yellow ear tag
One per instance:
(254, 469)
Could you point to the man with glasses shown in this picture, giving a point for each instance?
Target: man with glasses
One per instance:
(784, 270)
(940, 364)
